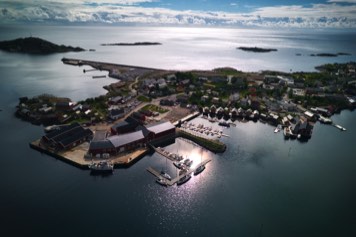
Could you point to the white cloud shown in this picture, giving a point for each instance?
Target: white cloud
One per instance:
(129, 11)
(343, 1)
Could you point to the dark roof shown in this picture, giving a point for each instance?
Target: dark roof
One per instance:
(114, 112)
(122, 124)
(69, 134)
(161, 127)
(76, 137)
(132, 120)
(120, 140)
(61, 130)
(62, 104)
(143, 129)
(104, 144)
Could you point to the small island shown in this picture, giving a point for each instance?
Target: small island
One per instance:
(34, 45)
(329, 54)
(133, 44)
(256, 49)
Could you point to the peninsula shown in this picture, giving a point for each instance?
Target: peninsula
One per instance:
(256, 49)
(132, 44)
(34, 45)
(151, 107)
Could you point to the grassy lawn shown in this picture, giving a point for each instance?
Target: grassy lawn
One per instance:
(155, 108)
(143, 98)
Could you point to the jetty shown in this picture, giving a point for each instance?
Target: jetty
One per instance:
(175, 180)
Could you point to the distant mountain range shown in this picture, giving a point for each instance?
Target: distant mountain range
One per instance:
(33, 45)
(133, 44)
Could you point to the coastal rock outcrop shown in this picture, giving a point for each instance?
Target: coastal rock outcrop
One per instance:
(34, 45)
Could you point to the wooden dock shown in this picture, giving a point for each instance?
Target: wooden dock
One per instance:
(162, 153)
(175, 180)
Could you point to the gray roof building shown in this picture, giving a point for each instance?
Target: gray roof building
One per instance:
(161, 127)
(121, 140)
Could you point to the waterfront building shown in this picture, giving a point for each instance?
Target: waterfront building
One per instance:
(67, 137)
(126, 126)
(159, 131)
(302, 127)
(125, 142)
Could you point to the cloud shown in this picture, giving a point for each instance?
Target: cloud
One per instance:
(329, 15)
(342, 1)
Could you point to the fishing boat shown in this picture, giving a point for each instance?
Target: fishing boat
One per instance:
(225, 124)
(278, 128)
(200, 168)
(102, 166)
(165, 175)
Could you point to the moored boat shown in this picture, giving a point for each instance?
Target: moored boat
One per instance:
(102, 166)
(184, 179)
(225, 124)
(162, 181)
(200, 169)
(165, 175)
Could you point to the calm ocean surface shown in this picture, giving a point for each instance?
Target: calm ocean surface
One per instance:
(262, 185)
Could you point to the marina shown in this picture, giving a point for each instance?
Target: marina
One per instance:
(179, 176)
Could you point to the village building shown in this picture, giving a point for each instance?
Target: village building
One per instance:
(126, 126)
(161, 83)
(159, 131)
(115, 114)
(302, 127)
(215, 100)
(117, 144)
(204, 98)
(67, 137)
(115, 100)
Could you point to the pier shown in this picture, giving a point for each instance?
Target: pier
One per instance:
(187, 118)
(175, 180)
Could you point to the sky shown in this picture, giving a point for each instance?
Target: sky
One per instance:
(229, 13)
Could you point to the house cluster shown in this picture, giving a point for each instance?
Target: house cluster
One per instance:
(157, 87)
(130, 135)
(299, 126)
